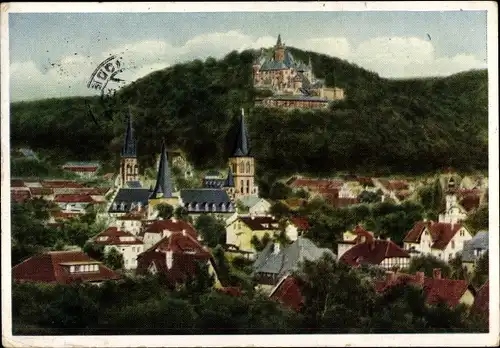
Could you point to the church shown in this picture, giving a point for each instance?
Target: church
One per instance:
(292, 81)
(218, 196)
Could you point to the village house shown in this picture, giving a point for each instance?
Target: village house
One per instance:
(132, 221)
(176, 256)
(370, 251)
(82, 169)
(277, 261)
(474, 249)
(255, 205)
(440, 239)
(241, 231)
(453, 213)
(154, 231)
(351, 238)
(122, 241)
(77, 203)
(287, 291)
(436, 288)
(63, 267)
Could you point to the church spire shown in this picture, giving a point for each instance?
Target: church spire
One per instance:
(242, 148)
(278, 43)
(230, 178)
(129, 146)
(163, 187)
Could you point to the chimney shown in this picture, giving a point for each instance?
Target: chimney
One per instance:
(436, 273)
(390, 277)
(420, 277)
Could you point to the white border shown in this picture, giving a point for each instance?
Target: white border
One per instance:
(256, 340)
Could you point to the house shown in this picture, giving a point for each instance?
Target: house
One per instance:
(440, 239)
(20, 196)
(154, 231)
(124, 242)
(241, 231)
(474, 249)
(350, 239)
(383, 253)
(176, 256)
(74, 202)
(255, 205)
(132, 221)
(314, 185)
(277, 261)
(82, 169)
(46, 193)
(205, 200)
(61, 184)
(452, 292)
(63, 267)
(482, 301)
(213, 179)
(59, 216)
(454, 212)
(127, 200)
(287, 291)
(294, 203)
(295, 227)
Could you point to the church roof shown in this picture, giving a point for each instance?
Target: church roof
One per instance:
(229, 182)
(129, 148)
(242, 148)
(129, 197)
(163, 187)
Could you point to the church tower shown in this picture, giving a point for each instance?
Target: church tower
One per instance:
(242, 164)
(279, 50)
(129, 169)
(163, 190)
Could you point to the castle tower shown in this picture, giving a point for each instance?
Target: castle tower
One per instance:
(129, 169)
(242, 164)
(279, 50)
(163, 190)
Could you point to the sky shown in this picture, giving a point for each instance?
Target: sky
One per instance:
(54, 54)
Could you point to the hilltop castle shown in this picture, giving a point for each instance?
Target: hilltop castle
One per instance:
(291, 81)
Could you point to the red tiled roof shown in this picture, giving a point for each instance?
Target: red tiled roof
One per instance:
(300, 223)
(315, 184)
(360, 233)
(288, 292)
(436, 289)
(63, 215)
(80, 168)
(230, 290)
(441, 233)
(17, 183)
(61, 184)
(482, 300)
(49, 268)
(94, 191)
(113, 235)
(157, 226)
(259, 223)
(470, 202)
(338, 202)
(372, 253)
(73, 198)
(20, 196)
(413, 236)
(41, 191)
(365, 181)
(394, 185)
(179, 242)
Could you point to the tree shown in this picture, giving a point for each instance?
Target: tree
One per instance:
(260, 244)
(211, 229)
(279, 191)
(481, 271)
(279, 210)
(181, 213)
(369, 197)
(479, 219)
(94, 251)
(165, 211)
(114, 259)
(427, 263)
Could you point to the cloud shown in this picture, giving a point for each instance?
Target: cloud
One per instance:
(391, 57)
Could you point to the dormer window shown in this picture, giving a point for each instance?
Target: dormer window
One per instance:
(197, 207)
(206, 206)
(214, 207)
(102, 238)
(114, 206)
(223, 207)
(127, 239)
(122, 206)
(152, 268)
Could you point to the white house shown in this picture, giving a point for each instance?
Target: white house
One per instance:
(73, 202)
(256, 206)
(440, 239)
(124, 242)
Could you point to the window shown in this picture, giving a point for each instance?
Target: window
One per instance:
(136, 169)
(462, 233)
(242, 167)
(453, 244)
(450, 256)
(234, 167)
(248, 186)
(241, 188)
(248, 167)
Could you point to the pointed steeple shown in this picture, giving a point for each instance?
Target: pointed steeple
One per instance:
(278, 43)
(242, 149)
(163, 187)
(230, 179)
(129, 148)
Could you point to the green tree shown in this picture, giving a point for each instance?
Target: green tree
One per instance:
(260, 244)
(280, 191)
(114, 259)
(211, 229)
(481, 271)
(95, 251)
(181, 213)
(279, 210)
(479, 219)
(427, 263)
(369, 197)
(165, 211)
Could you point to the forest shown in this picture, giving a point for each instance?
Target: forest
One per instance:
(383, 126)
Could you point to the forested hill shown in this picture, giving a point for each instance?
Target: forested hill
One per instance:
(411, 126)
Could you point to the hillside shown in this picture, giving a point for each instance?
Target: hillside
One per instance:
(406, 126)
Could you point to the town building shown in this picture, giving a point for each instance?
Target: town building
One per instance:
(77, 203)
(440, 239)
(63, 267)
(277, 261)
(436, 288)
(240, 232)
(156, 230)
(370, 251)
(82, 169)
(128, 245)
(254, 205)
(351, 238)
(176, 256)
(474, 249)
